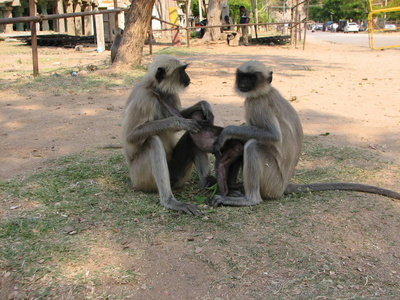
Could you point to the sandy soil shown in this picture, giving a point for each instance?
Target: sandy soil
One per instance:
(349, 92)
(352, 93)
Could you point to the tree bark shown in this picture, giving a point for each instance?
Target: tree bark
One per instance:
(130, 51)
(163, 9)
(214, 18)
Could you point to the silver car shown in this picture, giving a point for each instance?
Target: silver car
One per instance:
(351, 27)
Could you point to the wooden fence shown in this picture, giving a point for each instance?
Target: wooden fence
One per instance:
(100, 31)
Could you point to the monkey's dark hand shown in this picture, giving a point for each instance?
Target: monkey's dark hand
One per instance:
(207, 182)
(219, 143)
(188, 124)
(208, 114)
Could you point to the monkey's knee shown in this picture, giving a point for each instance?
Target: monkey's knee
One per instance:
(150, 169)
(251, 161)
(142, 178)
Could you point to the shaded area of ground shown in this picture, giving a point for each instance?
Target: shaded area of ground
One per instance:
(345, 96)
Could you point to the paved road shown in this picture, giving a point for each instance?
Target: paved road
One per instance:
(357, 39)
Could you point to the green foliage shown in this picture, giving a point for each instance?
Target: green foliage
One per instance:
(338, 9)
(395, 15)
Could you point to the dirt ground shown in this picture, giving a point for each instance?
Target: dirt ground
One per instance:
(352, 93)
(349, 92)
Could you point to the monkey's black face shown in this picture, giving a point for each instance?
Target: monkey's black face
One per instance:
(178, 74)
(246, 82)
(183, 76)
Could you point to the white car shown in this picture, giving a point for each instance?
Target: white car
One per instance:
(390, 27)
(351, 27)
(319, 26)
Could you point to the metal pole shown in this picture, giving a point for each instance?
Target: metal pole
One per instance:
(35, 59)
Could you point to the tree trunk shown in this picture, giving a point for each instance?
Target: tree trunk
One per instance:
(130, 51)
(163, 9)
(214, 18)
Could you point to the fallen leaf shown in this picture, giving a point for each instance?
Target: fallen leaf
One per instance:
(68, 229)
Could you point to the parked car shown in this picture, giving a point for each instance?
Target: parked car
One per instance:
(342, 25)
(319, 26)
(389, 27)
(328, 25)
(352, 27)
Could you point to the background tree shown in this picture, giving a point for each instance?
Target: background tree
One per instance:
(194, 7)
(338, 9)
(395, 15)
(234, 6)
(261, 8)
(214, 18)
(162, 7)
(315, 11)
(138, 21)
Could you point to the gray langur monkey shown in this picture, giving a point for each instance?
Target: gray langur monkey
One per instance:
(156, 161)
(273, 141)
(116, 42)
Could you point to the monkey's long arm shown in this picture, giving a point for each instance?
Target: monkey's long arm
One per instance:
(186, 113)
(144, 131)
(171, 109)
(340, 186)
(202, 106)
(245, 133)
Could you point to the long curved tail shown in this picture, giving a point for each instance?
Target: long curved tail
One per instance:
(341, 186)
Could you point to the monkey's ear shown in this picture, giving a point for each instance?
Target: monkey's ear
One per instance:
(269, 79)
(161, 74)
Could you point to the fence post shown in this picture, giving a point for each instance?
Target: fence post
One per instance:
(187, 23)
(35, 59)
(151, 36)
(101, 45)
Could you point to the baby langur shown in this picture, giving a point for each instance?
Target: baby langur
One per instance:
(156, 162)
(204, 140)
(273, 140)
(116, 42)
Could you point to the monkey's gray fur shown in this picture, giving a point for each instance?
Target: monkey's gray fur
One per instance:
(154, 158)
(273, 141)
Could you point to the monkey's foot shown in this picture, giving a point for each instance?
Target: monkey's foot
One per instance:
(218, 200)
(207, 182)
(188, 208)
(233, 193)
